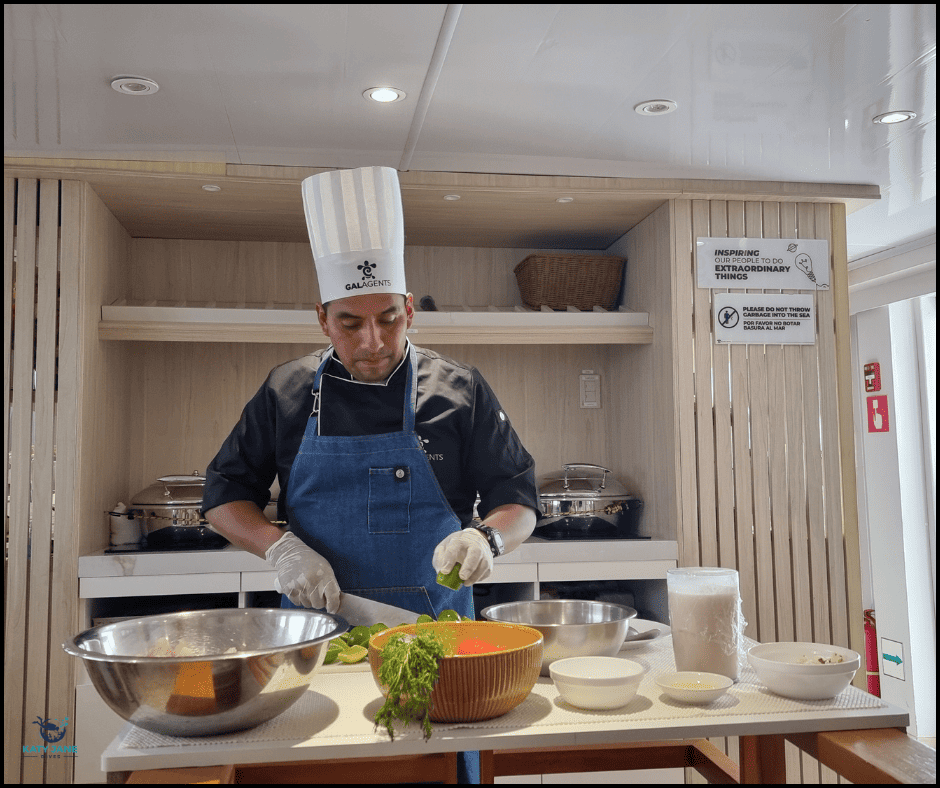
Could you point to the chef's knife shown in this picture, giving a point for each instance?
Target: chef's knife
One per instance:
(359, 611)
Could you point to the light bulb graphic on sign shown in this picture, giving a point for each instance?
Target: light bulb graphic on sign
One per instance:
(805, 263)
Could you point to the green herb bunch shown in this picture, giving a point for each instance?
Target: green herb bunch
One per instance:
(410, 670)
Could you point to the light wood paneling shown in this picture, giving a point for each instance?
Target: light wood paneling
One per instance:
(41, 598)
(262, 203)
(765, 447)
(641, 437)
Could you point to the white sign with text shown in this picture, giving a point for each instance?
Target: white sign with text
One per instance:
(767, 263)
(764, 319)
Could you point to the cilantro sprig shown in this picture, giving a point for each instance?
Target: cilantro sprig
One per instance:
(410, 666)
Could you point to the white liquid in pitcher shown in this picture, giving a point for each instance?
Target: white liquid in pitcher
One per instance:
(704, 636)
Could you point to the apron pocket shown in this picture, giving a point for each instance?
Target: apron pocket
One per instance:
(390, 500)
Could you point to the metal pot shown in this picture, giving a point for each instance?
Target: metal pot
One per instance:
(585, 500)
(170, 509)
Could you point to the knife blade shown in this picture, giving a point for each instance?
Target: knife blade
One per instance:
(359, 611)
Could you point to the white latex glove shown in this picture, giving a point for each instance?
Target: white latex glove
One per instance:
(470, 549)
(303, 574)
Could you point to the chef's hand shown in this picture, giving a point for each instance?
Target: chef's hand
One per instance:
(471, 550)
(303, 574)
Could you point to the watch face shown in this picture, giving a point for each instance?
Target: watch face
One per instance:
(494, 538)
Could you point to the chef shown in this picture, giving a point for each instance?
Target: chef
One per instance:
(380, 447)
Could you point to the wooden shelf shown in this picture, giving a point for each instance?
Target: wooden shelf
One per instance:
(158, 321)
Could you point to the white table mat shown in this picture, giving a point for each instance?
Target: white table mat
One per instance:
(317, 715)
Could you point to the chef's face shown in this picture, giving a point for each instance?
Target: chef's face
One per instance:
(368, 332)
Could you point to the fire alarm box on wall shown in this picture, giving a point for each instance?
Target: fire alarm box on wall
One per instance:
(878, 413)
(873, 377)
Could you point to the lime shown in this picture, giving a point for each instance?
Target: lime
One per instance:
(451, 579)
(448, 615)
(353, 654)
(358, 636)
(332, 652)
(424, 618)
(376, 628)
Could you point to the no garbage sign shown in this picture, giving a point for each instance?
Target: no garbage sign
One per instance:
(764, 319)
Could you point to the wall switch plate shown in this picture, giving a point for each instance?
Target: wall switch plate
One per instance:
(590, 391)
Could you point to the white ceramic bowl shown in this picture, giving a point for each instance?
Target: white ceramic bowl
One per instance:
(689, 686)
(804, 671)
(596, 682)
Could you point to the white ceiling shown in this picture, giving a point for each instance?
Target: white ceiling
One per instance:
(766, 92)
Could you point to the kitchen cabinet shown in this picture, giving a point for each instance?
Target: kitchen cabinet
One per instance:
(743, 456)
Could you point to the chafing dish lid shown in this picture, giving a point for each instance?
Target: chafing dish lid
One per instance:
(172, 491)
(581, 480)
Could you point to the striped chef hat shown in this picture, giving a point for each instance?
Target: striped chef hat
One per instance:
(354, 220)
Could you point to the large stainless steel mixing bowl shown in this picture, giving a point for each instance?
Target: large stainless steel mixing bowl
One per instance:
(570, 627)
(209, 671)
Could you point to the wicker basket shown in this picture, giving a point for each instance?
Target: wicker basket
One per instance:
(562, 280)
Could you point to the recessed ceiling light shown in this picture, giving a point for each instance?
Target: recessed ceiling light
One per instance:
(211, 187)
(134, 86)
(655, 107)
(451, 196)
(897, 116)
(564, 199)
(384, 95)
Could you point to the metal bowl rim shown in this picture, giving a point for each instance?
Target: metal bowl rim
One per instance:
(73, 648)
(631, 613)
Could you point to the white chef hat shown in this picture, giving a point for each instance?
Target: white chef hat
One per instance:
(357, 233)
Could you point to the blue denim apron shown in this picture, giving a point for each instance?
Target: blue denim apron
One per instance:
(372, 507)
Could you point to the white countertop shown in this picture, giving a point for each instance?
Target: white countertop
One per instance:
(334, 720)
(234, 559)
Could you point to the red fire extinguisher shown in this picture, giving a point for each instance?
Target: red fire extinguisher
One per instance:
(871, 654)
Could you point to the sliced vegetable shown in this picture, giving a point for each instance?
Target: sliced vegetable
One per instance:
(451, 579)
(476, 646)
(448, 615)
(353, 654)
(358, 636)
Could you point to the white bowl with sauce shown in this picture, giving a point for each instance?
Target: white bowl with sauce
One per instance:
(689, 686)
(804, 671)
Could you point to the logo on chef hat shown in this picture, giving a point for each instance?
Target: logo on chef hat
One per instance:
(366, 269)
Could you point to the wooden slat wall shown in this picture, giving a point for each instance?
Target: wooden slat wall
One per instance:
(759, 449)
(40, 588)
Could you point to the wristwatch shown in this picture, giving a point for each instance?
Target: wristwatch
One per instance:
(493, 537)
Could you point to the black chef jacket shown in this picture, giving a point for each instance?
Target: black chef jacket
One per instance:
(464, 432)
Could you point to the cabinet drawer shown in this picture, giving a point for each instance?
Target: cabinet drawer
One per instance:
(159, 585)
(605, 570)
(258, 581)
(513, 573)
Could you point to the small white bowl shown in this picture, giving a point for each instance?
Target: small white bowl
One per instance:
(794, 670)
(596, 682)
(689, 686)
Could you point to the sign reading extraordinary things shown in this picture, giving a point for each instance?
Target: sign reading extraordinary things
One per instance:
(762, 263)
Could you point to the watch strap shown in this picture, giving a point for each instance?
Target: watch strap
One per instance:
(493, 537)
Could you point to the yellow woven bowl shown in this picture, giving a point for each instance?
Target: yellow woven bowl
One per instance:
(478, 686)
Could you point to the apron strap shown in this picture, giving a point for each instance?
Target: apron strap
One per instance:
(411, 390)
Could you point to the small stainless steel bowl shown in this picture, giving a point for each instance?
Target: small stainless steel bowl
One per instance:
(570, 627)
(206, 672)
